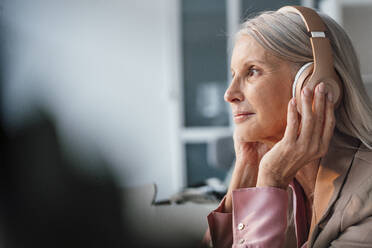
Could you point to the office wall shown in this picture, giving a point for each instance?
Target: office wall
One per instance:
(105, 70)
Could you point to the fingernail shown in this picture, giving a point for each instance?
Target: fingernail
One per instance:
(321, 88)
(330, 97)
(307, 92)
(293, 101)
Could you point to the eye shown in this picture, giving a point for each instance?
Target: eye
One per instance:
(253, 72)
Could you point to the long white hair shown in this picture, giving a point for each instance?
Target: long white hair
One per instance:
(285, 35)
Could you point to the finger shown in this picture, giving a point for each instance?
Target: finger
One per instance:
(235, 178)
(307, 116)
(329, 122)
(292, 122)
(319, 102)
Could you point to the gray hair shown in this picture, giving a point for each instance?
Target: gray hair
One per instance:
(285, 36)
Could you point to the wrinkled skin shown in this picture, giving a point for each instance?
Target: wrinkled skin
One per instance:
(272, 142)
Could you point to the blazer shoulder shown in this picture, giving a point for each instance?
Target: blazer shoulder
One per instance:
(359, 177)
(364, 154)
(358, 207)
(358, 189)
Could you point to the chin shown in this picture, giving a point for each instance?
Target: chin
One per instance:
(248, 134)
(268, 135)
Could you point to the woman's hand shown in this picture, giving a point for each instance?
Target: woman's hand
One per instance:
(248, 156)
(279, 166)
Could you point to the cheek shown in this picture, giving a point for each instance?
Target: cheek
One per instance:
(269, 102)
(273, 109)
(272, 101)
(270, 119)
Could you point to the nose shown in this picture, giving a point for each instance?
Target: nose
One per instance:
(233, 93)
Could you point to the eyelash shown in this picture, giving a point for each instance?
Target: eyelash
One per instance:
(250, 71)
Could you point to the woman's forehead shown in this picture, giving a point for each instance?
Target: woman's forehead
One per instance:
(247, 50)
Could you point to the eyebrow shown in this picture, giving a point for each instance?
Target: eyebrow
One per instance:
(247, 62)
(268, 63)
(257, 61)
(254, 61)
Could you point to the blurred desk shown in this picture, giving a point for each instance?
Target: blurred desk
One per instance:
(167, 225)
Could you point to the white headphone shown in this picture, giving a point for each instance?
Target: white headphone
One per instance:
(322, 68)
(299, 72)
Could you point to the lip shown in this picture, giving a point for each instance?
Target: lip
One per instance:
(242, 116)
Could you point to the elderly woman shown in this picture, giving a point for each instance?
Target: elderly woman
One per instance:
(303, 172)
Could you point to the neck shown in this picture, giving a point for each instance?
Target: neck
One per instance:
(306, 176)
(271, 141)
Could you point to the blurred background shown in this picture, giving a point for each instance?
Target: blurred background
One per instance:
(98, 96)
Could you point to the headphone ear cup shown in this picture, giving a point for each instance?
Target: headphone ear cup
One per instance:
(301, 80)
(334, 85)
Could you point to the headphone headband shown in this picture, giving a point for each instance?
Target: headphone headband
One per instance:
(323, 69)
(320, 44)
(311, 19)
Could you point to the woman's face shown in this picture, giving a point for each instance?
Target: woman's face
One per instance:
(259, 92)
